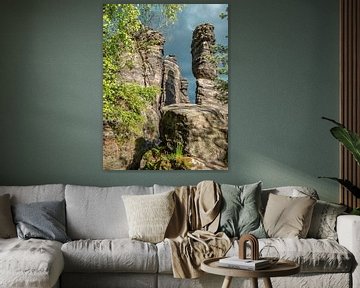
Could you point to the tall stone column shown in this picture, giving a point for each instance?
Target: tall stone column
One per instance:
(174, 89)
(203, 65)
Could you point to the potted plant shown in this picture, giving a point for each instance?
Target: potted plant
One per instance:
(351, 142)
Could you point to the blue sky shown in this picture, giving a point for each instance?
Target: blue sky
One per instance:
(178, 38)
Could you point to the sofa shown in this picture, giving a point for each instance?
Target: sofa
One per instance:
(99, 252)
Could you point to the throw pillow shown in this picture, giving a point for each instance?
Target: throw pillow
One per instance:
(323, 222)
(44, 220)
(7, 226)
(287, 217)
(149, 215)
(240, 210)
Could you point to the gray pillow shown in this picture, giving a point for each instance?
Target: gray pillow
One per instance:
(7, 227)
(44, 220)
(240, 213)
(323, 222)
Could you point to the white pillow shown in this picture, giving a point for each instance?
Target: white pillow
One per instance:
(149, 215)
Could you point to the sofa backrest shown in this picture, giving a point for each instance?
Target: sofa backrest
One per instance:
(98, 212)
(163, 188)
(35, 193)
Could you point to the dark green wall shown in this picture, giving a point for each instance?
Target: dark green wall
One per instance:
(284, 77)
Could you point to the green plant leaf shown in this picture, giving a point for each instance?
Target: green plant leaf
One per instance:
(355, 211)
(348, 138)
(347, 184)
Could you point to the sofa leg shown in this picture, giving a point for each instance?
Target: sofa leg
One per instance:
(227, 282)
(267, 283)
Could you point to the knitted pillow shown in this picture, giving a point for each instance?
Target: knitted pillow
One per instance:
(149, 215)
(323, 222)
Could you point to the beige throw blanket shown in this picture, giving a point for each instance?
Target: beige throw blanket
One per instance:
(191, 231)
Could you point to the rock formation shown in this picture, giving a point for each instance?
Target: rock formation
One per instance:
(203, 41)
(174, 87)
(145, 66)
(204, 66)
(201, 128)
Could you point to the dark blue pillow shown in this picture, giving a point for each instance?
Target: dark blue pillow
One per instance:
(43, 220)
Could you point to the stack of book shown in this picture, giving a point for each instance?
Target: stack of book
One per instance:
(236, 262)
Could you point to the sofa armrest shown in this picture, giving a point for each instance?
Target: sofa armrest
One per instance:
(348, 230)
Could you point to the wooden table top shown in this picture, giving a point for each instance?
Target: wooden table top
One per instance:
(281, 268)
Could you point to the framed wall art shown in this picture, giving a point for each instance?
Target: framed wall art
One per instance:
(165, 86)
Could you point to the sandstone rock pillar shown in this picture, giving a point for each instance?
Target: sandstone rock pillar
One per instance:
(173, 86)
(203, 65)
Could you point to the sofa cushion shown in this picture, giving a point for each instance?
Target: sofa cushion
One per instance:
(43, 220)
(164, 257)
(116, 255)
(287, 216)
(240, 210)
(7, 226)
(323, 222)
(149, 215)
(98, 213)
(313, 255)
(30, 263)
(35, 193)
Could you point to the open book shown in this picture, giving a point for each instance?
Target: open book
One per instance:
(236, 262)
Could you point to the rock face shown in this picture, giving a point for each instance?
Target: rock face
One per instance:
(145, 66)
(203, 41)
(111, 151)
(201, 129)
(174, 87)
(204, 67)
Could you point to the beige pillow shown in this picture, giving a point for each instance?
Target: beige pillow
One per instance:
(288, 217)
(149, 215)
(7, 226)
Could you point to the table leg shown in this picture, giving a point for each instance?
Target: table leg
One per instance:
(254, 282)
(267, 283)
(227, 282)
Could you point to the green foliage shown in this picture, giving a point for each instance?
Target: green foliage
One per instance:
(348, 138)
(355, 211)
(120, 23)
(222, 61)
(124, 103)
(159, 16)
(221, 57)
(347, 184)
(351, 141)
(225, 14)
(161, 158)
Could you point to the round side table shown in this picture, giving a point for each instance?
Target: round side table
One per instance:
(281, 268)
